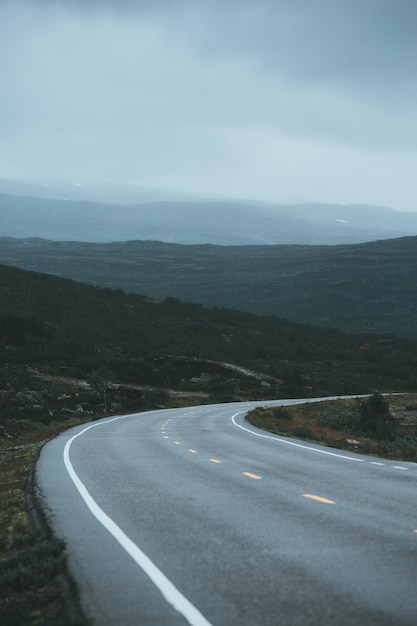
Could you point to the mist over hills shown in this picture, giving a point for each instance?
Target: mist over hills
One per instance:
(197, 221)
(101, 192)
(369, 287)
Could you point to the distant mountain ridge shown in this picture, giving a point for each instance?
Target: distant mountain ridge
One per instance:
(369, 287)
(101, 192)
(200, 222)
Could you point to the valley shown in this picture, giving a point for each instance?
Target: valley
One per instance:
(368, 287)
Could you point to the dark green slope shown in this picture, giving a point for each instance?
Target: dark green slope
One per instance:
(361, 287)
(51, 322)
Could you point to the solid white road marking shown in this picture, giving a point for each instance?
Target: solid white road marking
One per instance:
(292, 443)
(172, 595)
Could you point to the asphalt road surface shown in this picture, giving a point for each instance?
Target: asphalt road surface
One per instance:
(192, 516)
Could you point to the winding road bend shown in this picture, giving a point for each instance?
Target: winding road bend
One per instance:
(192, 516)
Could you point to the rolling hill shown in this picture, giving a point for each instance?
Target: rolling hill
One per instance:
(369, 287)
(55, 325)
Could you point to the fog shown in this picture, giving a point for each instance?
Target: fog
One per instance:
(274, 100)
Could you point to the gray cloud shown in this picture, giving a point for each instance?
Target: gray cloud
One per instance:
(316, 40)
(312, 100)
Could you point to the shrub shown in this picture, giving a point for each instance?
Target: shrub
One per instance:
(304, 432)
(282, 413)
(375, 417)
(340, 420)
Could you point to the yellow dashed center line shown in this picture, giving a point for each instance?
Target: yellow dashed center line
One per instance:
(192, 451)
(178, 443)
(318, 498)
(215, 461)
(254, 476)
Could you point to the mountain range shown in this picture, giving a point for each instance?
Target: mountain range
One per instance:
(197, 221)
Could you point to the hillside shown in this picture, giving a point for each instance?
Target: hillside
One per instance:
(200, 222)
(59, 327)
(368, 287)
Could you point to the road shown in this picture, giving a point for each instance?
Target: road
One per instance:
(192, 516)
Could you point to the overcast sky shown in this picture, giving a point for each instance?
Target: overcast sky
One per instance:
(278, 100)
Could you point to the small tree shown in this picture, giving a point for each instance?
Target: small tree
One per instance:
(375, 417)
(98, 379)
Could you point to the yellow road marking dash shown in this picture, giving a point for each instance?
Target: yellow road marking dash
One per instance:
(192, 451)
(318, 498)
(215, 461)
(254, 476)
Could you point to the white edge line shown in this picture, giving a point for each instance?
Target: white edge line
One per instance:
(292, 443)
(168, 590)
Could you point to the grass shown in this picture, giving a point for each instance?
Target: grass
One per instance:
(336, 423)
(35, 587)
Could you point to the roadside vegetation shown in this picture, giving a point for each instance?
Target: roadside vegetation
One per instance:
(35, 588)
(376, 425)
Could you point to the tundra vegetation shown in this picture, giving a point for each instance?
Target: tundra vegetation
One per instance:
(358, 287)
(71, 352)
(376, 425)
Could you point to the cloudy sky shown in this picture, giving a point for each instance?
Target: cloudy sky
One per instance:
(277, 100)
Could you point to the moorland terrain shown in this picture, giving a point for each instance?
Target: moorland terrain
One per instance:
(368, 287)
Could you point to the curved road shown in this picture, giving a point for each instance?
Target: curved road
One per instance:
(192, 516)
